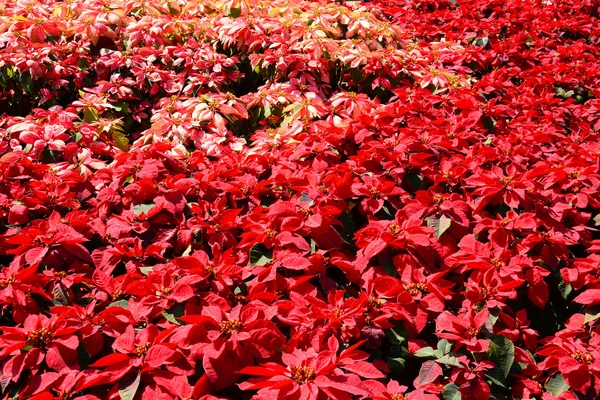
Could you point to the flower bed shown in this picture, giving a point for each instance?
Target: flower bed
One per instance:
(305, 200)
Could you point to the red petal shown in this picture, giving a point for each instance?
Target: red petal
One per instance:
(115, 358)
(158, 355)
(589, 297)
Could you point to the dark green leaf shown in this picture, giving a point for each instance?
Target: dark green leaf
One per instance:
(451, 392)
(387, 211)
(397, 335)
(489, 123)
(356, 76)
(397, 359)
(496, 377)
(235, 12)
(83, 356)
(415, 180)
(348, 230)
(482, 41)
(27, 82)
(260, 255)
(173, 313)
(502, 353)
(386, 261)
(121, 106)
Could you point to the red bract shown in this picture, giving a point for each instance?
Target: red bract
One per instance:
(230, 340)
(402, 233)
(41, 340)
(209, 199)
(464, 329)
(303, 375)
(141, 353)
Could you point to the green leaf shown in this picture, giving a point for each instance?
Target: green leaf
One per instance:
(451, 392)
(387, 211)
(518, 367)
(90, 114)
(565, 94)
(495, 376)
(48, 156)
(83, 357)
(592, 314)
(146, 270)
(481, 41)
(142, 208)
(356, 76)
(119, 303)
(121, 106)
(260, 255)
(445, 346)
(61, 296)
(120, 140)
(83, 63)
(397, 335)
(129, 386)
(494, 314)
(386, 261)
(489, 123)
(267, 111)
(557, 385)
(450, 359)
(424, 352)
(565, 289)
(439, 224)
(397, 359)
(235, 12)
(173, 313)
(415, 180)
(27, 82)
(502, 353)
(348, 229)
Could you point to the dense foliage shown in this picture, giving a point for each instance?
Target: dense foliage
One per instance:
(210, 199)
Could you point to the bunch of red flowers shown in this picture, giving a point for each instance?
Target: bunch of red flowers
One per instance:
(294, 199)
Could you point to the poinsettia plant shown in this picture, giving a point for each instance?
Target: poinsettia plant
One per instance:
(299, 199)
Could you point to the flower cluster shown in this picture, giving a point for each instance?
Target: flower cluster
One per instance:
(299, 199)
